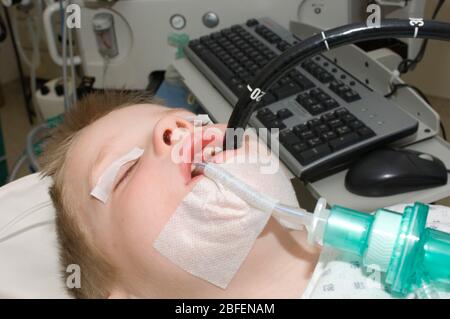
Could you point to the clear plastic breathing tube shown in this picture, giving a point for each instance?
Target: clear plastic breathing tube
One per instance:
(297, 216)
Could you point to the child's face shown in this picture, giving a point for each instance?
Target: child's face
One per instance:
(146, 196)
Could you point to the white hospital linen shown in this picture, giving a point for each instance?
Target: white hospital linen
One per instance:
(29, 265)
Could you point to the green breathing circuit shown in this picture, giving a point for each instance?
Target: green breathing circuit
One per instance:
(413, 257)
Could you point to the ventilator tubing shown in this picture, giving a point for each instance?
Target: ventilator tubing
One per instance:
(414, 258)
(296, 216)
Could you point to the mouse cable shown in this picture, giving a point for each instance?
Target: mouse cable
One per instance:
(397, 86)
(409, 64)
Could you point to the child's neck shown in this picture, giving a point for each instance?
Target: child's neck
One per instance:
(279, 265)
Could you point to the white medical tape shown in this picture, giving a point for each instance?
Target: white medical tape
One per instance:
(213, 229)
(325, 41)
(105, 183)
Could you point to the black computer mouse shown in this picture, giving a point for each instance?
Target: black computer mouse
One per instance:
(388, 172)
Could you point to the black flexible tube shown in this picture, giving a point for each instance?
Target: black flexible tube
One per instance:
(348, 34)
(3, 32)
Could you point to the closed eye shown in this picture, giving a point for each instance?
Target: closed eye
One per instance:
(125, 174)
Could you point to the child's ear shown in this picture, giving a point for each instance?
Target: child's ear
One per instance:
(118, 293)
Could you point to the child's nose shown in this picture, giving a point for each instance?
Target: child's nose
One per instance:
(168, 131)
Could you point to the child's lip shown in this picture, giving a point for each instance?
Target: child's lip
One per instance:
(197, 144)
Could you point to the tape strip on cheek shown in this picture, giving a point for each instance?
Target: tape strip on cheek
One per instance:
(105, 183)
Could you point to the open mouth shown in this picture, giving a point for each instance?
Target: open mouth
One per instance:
(200, 149)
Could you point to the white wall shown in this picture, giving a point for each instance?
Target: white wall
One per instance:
(8, 66)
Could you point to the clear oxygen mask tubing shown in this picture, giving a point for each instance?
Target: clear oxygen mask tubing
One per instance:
(413, 257)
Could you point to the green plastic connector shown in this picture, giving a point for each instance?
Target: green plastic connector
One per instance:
(347, 230)
(178, 40)
(414, 258)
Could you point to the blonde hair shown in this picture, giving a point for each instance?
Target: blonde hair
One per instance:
(97, 274)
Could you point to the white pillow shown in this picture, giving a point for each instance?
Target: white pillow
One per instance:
(29, 260)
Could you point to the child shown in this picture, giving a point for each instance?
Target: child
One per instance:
(112, 241)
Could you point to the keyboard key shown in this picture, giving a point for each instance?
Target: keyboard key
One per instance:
(267, 120)
(283, 46)
(328, 136)
(277, 124)
(356, 124)
(286, 90)
(313, 154)
(226, 31)
(284, 114)
(321, 129)
(217, 66)
(330, 104)
(304, 83)
(235, 81)
(325, 77)
(300, 129)
(273, 38)
(238, 89)
(215, 35)
(270, 55)
(205, 39)
(263, 62)
(335, 123)
(344, 141)
(341, 90)
(288, 138)
(305, 100)
(319, 95)
(298, 148)
(335, 85)
(307, 135)
(236, 28)
(348, 118)
(266, 114)
(308, 65)
(314, 142)
(342, 112)
(316, 109)
(252, 22)
(343, 130)
(365, 132)
(328, 117)
(261, 30)
(351, 96)
(194, 43)
(314, 123)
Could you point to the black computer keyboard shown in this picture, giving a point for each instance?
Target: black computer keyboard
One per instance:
(326, 116)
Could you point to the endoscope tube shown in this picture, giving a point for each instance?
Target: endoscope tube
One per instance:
(323, 41)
